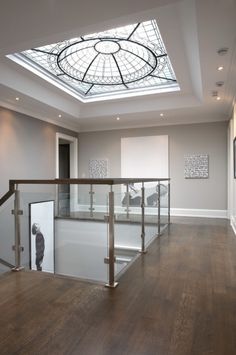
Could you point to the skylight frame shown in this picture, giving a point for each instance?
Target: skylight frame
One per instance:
(153, 72)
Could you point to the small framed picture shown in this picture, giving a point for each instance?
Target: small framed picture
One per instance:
(41, 233)
(234, 155)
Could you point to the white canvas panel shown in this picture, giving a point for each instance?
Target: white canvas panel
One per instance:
(144, 157)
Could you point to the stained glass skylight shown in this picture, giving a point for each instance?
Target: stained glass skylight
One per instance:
(125, 61)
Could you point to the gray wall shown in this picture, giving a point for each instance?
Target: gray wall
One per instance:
(27, 148)
(208, 138)
(27, 151)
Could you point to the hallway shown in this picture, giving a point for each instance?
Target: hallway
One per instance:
(178, 299)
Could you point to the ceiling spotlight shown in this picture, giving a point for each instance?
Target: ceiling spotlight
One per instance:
(223, 51)
(219, 83)
(161, 114)
(215, 95)
(17, 98)
(59, 116)
(117, 118)
(220, 68)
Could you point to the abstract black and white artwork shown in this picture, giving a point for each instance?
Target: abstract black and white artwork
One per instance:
(98, 168)
(196, 166)
(42, 236)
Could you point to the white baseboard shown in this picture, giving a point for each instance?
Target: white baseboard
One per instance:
(181, 212)
(119, 209)
(233, 223)
(185, 212)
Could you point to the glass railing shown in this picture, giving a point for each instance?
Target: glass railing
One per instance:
(38, 204)
(64, 242)
(127, 231)
(7, 235)
(91, 229)
(164, 205)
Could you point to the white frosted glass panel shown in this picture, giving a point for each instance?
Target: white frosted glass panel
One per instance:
(80, 249)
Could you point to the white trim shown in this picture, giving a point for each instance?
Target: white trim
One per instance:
(73, 154)
(233, 223)
(68, 124)
(198, 213)
(181, 212)
(122, 209)
(73, 165)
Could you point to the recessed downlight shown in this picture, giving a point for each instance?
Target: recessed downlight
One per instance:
(162, 114)
(220, 68)
(219, 83)
(117, 118)
(223, 51)
(216, 95)
(17, 98)
(59, 116)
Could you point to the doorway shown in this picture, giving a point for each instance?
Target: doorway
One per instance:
(64, 173)
(66, 167)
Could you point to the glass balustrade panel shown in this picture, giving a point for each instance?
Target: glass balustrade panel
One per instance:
(164, 201)
(127, 230)
(7, 235)
(37, 225)
(57, 243)
(151, 212)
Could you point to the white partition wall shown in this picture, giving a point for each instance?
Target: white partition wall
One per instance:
(145, 157)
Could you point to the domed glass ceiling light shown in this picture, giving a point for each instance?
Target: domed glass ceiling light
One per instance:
(126, 61)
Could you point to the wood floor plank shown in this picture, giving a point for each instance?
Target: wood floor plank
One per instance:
(178, 299)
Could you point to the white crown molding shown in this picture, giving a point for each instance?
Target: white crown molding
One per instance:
(73, 126)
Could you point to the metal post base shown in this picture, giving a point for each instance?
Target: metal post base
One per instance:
(19, 268)
(143, 251)
(114, 285)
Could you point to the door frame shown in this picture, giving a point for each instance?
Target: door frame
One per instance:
(73, 141)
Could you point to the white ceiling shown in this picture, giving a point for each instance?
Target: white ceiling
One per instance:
(193, 31)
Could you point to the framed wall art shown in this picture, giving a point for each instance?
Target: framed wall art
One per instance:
(196, 166)
(98, 168)
(41, 224)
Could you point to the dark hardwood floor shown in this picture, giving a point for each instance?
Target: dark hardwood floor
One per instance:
(179, 298)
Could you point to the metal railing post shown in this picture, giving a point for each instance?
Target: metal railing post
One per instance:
(168, 202)
(159, 209)
(111, 260)
(127, 201)
(57, 201)
(143, 219)
(91, 193)
(17, 247)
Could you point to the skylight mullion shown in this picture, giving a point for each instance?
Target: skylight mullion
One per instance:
(162, 77)
(136, 55)
(89, 89)
(131, 34)
(42, 51)
(121, 76)
(75, 51)
(106, 62)
(89, 66)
